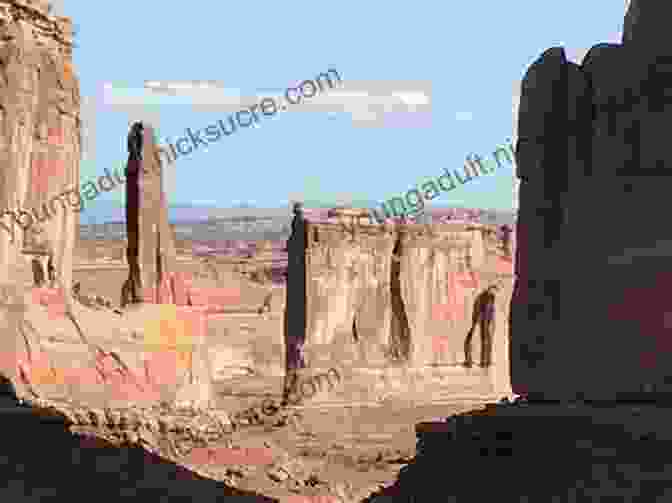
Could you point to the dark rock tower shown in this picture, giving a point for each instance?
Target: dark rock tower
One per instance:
(594, 262)
(151, 249)
(295, 306)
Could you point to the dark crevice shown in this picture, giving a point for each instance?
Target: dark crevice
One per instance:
(399, 328)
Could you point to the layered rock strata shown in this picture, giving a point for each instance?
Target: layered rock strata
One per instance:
(370, 296)
(39, 135)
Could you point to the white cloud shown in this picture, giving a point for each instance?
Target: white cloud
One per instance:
(364, 100)
(179, 85)
(364, 116)
(229, 99)
(413, 98)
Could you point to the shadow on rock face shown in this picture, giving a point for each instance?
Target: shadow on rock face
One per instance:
(540, 452)
(40, 460)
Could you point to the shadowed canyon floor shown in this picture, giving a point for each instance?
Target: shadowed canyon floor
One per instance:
(349, 452)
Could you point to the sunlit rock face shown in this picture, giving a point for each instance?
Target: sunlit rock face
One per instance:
(589, 315)
(395, 294)
(39, 135)
(53, 347)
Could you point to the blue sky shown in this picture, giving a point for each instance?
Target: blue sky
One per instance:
(468, 56)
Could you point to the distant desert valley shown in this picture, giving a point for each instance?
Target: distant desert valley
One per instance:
(247, 347)
(277, 355)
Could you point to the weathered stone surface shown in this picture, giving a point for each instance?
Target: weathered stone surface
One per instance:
(59, 350)
(374, 295)
(151, 244)
(141, 380)
(39, 133)
(646, 28)
(296, 304)
(595, 447)
(58, 354)
(591, 294)
(536, 292)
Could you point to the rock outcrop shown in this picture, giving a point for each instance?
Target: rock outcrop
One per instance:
(590, 322)
(58, 350)
(60, 356)
(117, 378)
(364, 296)
(592, 154)
(39, 135)
(151, 252)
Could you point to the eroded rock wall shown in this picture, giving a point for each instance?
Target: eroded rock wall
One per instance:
(53, 347)
(383, 294)
(39, 134)
(590, 314)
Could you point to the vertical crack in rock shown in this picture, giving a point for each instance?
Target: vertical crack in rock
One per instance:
(399, 329)
(341, 293)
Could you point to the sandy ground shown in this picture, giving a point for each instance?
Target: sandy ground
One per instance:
(360, 447)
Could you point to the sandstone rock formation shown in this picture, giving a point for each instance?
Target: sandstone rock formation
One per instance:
(151, 252)
(60, 356)
(39, 134)
(117, 378)
(592, 155)
(590, 312)
(296, 304)
(372, 294)
(261, 270)
(59, 350)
